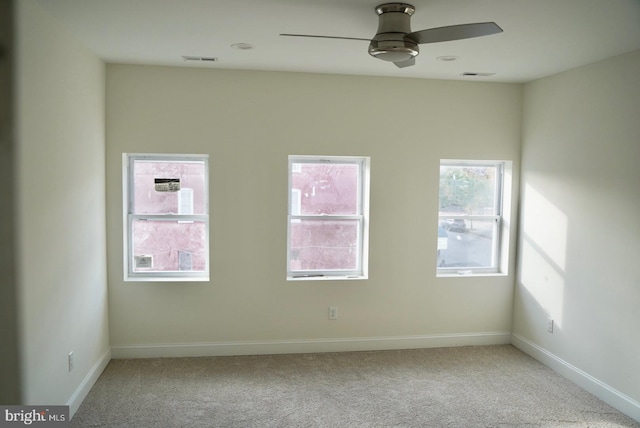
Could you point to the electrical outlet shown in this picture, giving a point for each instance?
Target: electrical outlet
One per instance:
(70, 360)
(333, 312)
(550, 325)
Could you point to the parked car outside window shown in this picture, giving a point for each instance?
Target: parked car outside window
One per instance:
(454, 225)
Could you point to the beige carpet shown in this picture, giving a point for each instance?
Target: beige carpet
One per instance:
(486, 386)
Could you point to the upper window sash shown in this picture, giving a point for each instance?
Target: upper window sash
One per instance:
(130, 160)
(294, 161)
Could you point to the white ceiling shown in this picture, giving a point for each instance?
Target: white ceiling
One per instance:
(540, 38)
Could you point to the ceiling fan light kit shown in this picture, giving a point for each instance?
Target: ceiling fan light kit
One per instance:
(393, 50)
(390, 42)
(395, 42)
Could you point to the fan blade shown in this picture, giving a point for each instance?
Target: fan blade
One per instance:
(325, 37)
(407, 63)
(454, 32)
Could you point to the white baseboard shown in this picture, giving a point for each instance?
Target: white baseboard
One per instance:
(606, 393)
(87, 383)
(309, 345)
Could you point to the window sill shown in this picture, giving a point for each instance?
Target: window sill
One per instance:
(325, 277)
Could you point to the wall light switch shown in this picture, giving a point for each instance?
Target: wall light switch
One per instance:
(333, 312)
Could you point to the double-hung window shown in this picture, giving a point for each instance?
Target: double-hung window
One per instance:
(470, 217)
(328, 217)
(166, 217)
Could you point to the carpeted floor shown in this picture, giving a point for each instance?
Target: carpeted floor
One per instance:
(467, 387)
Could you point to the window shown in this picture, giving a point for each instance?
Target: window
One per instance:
(470, 218)
(166, 217)
(328, 217)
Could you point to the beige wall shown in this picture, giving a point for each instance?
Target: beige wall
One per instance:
(580, 235)
(61, 209)
(248, 122)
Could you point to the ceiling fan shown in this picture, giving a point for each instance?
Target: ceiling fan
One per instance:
(395, 42)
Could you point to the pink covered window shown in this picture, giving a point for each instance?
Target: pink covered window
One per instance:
(327, 217)
(167, 218)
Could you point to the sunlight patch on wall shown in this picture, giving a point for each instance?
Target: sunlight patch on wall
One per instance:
(543, 257)
(546, 226)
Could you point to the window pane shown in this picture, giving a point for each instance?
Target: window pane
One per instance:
(325, 188)
(467, 243)
(323, 245)
(155, 198)
(172, 245)
(468, 190)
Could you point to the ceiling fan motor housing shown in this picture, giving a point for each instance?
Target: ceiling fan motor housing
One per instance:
(390, 42)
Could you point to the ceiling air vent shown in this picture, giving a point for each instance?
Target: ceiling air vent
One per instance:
(473, 74)
(199, 58)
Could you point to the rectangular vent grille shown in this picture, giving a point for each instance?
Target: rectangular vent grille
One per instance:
(199, 58)
(473, 74)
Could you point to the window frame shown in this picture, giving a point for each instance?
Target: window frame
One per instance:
(129, 217)
(362, 217)
(499, 242)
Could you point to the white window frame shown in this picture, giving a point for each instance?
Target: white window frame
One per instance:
(500, 242)
(362, 264)
(129, 217)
